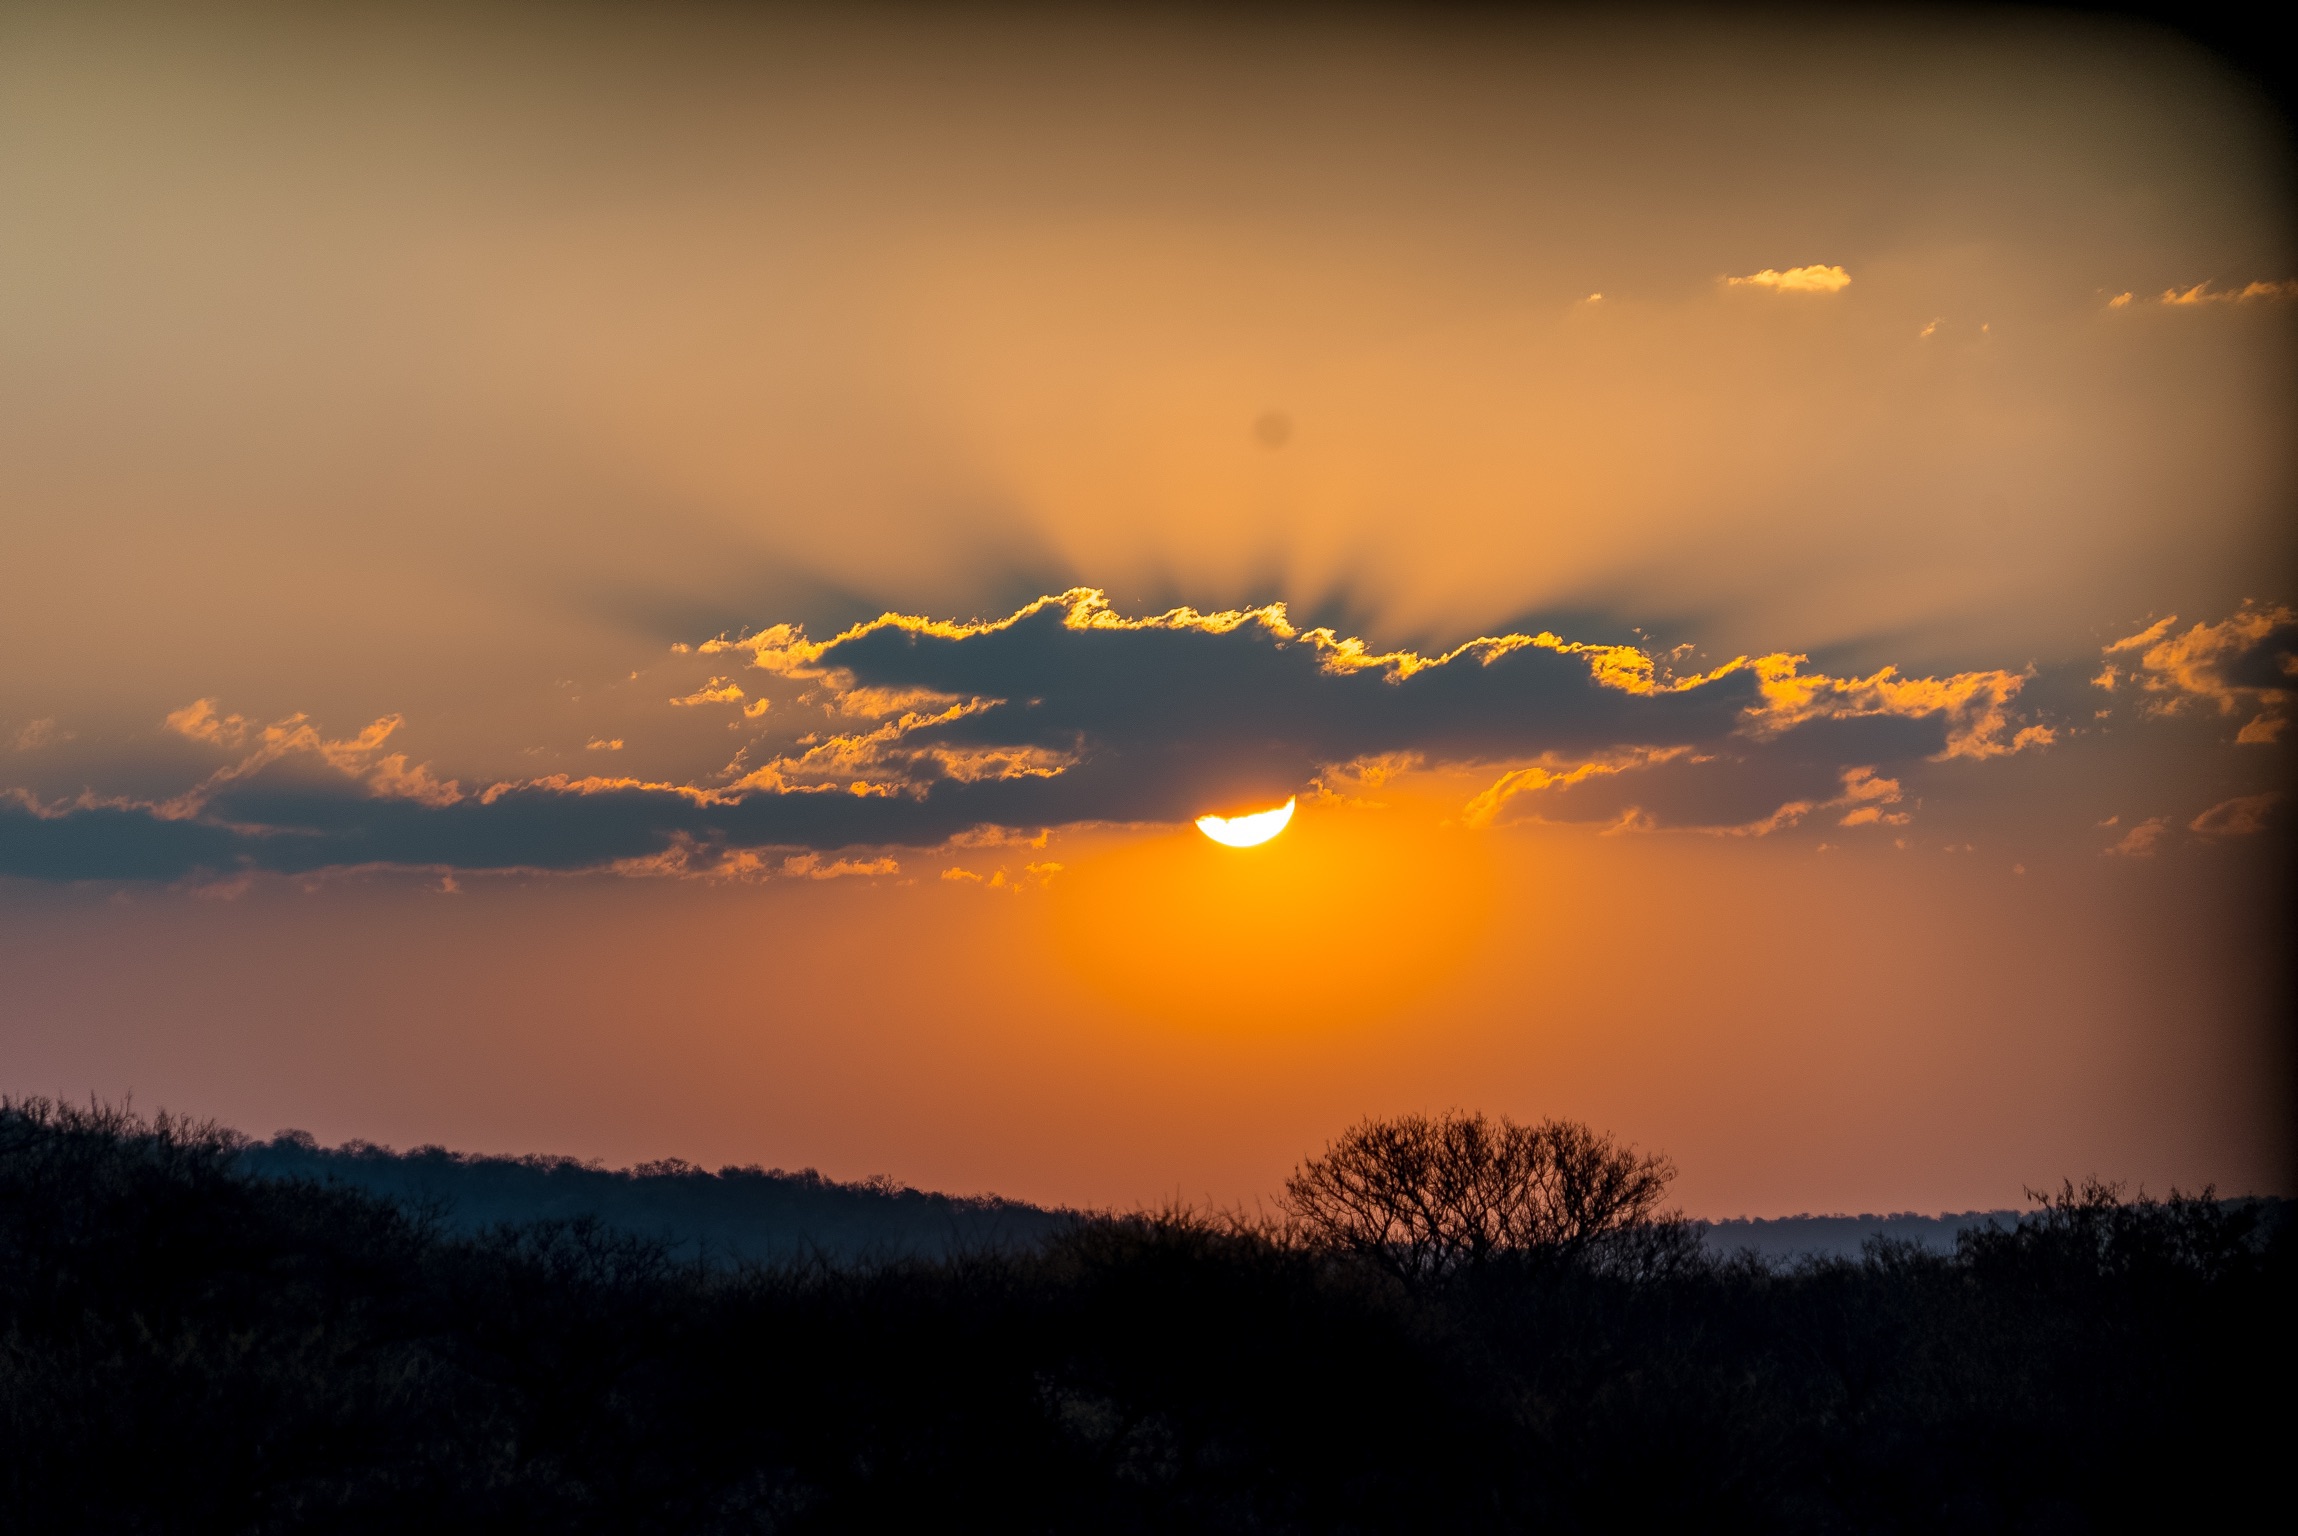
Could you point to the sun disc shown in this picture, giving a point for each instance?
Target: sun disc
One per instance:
(1246, 831)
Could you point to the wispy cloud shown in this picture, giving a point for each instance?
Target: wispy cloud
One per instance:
(200, 721)
(358, 758)
(2245, 662)
(2139, 842)
(1795, 280)
(813, 866)
(718, 690)
(35, 734)
(2203, 293)
(2239, 817)
(1032, 876)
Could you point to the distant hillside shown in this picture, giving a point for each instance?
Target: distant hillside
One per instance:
(734, 1215)
(1782, 1238)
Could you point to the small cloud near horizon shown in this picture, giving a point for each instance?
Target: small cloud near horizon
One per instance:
(1814, 279)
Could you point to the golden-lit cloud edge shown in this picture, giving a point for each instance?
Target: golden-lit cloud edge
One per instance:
(2233, 667)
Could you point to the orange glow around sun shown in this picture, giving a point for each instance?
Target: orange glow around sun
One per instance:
(1355, 911)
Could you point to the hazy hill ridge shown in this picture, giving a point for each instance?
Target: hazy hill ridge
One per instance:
(768, 1215)
(1840, 1236)
(733, 1215)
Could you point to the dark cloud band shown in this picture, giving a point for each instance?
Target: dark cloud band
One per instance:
(1064, 713)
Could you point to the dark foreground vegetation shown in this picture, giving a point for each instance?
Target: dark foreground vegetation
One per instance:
(1464, 1326)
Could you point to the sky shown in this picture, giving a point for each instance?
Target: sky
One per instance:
(670, 581)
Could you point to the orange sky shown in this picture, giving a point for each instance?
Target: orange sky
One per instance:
(550, 396)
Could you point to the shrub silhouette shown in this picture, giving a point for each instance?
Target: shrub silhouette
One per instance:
(1424, 1196)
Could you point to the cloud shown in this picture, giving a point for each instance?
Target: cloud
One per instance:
(40, 733)
(294, 740)
(198, 721)
(1749, 793)
(2139, 841)
(718, 690)
(2245, 662)
(2203, 293)
(937, 733)
(1795, 280)
(1869, 798)
(1038, 874)
(1975, 707)
(392, 778)
(812, 866)
(2238, 817)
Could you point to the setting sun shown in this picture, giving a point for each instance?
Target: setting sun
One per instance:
(1247, 831)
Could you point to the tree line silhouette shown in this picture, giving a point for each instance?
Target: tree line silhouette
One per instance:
(1457, 1323)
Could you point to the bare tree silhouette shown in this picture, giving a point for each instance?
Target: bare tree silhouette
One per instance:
(1423, 1196)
